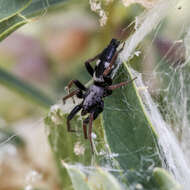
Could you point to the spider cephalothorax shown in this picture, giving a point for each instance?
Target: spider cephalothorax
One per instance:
(92, 102)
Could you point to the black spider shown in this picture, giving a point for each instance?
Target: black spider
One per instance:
(93, 103)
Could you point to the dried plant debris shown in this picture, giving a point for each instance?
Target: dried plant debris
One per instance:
(96, 6)
(144, 3)
(101, 7)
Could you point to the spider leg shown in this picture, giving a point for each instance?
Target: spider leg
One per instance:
(80, 94)
(90, 131)
(78, 85)
(84, 125)
(113, 87)
(107, 71)
(89, 68)
(71, 115)
(70, 95)
(91, 118)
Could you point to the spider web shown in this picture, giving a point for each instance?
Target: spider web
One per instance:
(165, 72)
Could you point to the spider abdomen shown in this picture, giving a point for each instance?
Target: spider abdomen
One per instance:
(93, 97)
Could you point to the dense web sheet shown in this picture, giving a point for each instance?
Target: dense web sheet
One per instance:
(172, 155)
(167, 76)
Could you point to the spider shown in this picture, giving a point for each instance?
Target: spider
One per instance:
(92, 103)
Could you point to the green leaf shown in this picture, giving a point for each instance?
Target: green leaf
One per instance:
(164, 180)
(101, 179)
(22, 88)
(78, 178)
(129, 132)
(8, 8)
(71, 147)
(15, 13)
(97, 178)
(10, 25)
(39, 7)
